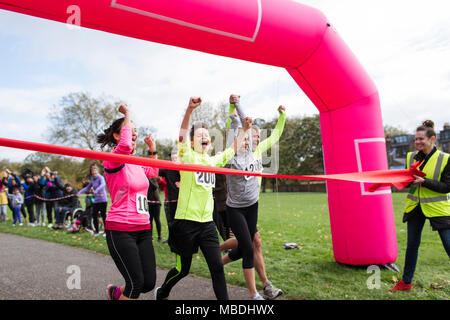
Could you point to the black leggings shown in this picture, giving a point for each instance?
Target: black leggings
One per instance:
(30, 207)
(191, 235)
(96, 209)
(155, 213)
(243, 223)
(134, 256)
(49, 205)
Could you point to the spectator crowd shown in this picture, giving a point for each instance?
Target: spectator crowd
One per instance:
(43, 199)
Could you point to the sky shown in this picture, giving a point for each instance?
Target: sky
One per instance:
(404, 46)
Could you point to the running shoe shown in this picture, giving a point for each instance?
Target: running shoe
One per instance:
(110, 289)
(271, 292)
(401, 286)
(158, 294)
(73, 229)
(257, 296)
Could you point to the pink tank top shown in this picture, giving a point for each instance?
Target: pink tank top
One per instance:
(128, 185)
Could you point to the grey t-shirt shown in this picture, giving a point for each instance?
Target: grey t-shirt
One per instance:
(243, 191)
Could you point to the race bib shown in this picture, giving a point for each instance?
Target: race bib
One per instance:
(205, 179)
(255, 166)
(141, 204)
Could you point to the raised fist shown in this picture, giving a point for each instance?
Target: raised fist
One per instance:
(123, 108)
(150, 141)
(194, 102)
(248, 123)
(234, 98)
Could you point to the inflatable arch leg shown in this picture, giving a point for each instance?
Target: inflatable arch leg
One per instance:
(286, 34)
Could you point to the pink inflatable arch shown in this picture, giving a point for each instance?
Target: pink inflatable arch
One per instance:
(286, 34)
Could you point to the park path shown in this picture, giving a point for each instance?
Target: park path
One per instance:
(32, 269)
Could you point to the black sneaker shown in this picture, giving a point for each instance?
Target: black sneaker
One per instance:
(158, 294)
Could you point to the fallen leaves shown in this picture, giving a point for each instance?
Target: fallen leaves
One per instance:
(436, 286)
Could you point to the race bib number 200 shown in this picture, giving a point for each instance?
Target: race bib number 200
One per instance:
(205, 179)
(142, 204)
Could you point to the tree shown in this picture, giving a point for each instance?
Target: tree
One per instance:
(79, 118)
(215, 117)
(391, 131)
(300, 147)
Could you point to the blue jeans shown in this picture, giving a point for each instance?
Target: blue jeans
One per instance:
(60, 214)
(16, 214)
(415, 226)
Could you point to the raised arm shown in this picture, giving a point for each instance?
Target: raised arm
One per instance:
(58, 182)
(276, 132)
(125, 110)
(151, 143)
(221, 159)
(242, 133)
(125, 143)
(235, 106)
(194, 102)
(236, 118)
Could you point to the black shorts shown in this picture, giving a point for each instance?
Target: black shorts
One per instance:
(186, 236)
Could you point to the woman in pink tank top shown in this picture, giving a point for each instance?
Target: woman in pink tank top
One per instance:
(127, 224)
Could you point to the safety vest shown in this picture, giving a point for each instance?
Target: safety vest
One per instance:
(433, 204)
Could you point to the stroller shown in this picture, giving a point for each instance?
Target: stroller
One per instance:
(83, 221)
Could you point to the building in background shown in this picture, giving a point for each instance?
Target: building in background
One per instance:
(399, 145)
(444, 138)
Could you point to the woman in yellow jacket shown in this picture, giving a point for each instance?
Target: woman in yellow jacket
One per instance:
(3, 201)
(428, 198)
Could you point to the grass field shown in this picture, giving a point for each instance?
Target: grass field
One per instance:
(309, 272)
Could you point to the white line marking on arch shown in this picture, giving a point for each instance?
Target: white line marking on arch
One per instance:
(192, 25)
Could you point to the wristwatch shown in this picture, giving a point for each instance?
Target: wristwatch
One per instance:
(152, 153)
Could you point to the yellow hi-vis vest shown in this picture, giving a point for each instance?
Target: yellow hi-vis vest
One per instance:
(433, 204)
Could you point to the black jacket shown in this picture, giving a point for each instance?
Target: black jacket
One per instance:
(153, 190)
(171, 177)
(72, 201)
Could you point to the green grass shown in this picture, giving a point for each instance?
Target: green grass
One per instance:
(310, 272)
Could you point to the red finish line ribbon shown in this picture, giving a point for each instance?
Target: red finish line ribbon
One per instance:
(380, 178)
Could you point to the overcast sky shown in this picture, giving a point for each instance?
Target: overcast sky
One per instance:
(404, 46)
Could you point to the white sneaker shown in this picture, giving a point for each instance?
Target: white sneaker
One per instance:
(257, 296)
(271, 292)
(20, 224)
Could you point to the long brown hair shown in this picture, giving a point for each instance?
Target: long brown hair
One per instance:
(107, 137)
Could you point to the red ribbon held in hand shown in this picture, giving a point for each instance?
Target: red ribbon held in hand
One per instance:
(380, 178)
